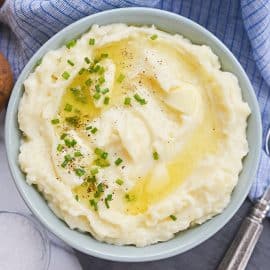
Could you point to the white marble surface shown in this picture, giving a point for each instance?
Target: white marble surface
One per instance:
(62, 256)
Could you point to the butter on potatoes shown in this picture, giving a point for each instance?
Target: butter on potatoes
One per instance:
(137, 134)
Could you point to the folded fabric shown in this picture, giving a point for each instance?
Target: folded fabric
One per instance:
(244, 26)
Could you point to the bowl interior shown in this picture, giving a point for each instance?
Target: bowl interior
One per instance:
(185, 240)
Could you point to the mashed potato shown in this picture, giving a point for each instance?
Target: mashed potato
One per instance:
(132, 134)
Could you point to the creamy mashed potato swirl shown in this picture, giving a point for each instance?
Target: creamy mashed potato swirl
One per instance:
(132, 134)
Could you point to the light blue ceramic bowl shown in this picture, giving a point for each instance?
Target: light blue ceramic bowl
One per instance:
(183, 241)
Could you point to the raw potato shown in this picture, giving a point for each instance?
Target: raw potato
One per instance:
(6, 81)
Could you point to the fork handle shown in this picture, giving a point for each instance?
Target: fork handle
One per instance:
(242, 246)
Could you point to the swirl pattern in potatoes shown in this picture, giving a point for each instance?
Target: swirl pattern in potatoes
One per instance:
(133, 134)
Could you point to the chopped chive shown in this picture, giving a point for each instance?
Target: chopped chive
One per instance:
(102, 162)
(120, 78)
(87, 60)
(129, 197)
(154, 37)
(101, 71)
(55, 121)
(70, 62)
(107, 199)
(104, 55)
(104, 155)
(68, 107)
(139, 99)
(98, 151)
(94, 171)
(68, 157)
(80, 172)
(64, 163)
(70, 143)
(155, 155)
(119, 182)
(174, 218)
(106, 100)
(82, 70)
(63, 136)
(92, 41)
(96, 96)
(65, 75)
(89, 127)
(97, 87)
(94, 204)
(94, 130)
(73, 120)
(77, 154)
(105, 91)
(71, 43)
(76, 197)
(91, 179)
(127, 101)
(101, 80)
(118, 161)
(88, 82)
(97, 68)
(59, 147)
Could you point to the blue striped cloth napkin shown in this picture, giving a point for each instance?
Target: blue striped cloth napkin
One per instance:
(243, 25)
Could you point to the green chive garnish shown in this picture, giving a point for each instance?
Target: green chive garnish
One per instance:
(94, 204)
(106, 100)
(88, 82)
(94, 130)
(63, 136)
(155, 155)
(55, 121)
(120, 78)
(102, 162)
(76, 197)
(105, 91)
(59, 147)
(107, 199)
(71, 43)
(118, 161)
(80, 172)
(104, 55)
(68, 107)
(98, 151)
(87, 60)
(101, 71)
(70, 62)
(81, 71)
(65, 75)
(104, 155)
(94, 171)
(70, 143)
(73, 120)
(96, 96)
(101, 80)
(153, 37)
(174, 218)
(89, 127)
(119, 182)
(97, 88)
(127, 101)
(77, 154)
(91, 41)
(139, 99)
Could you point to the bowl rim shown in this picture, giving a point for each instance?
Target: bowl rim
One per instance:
(13, 165)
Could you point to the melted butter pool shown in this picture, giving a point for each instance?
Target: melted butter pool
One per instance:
(204, 140)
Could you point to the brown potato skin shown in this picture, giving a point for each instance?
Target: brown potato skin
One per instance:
(6, 81)
(1, 2)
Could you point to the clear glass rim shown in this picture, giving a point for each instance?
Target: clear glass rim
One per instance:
(42, 232)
